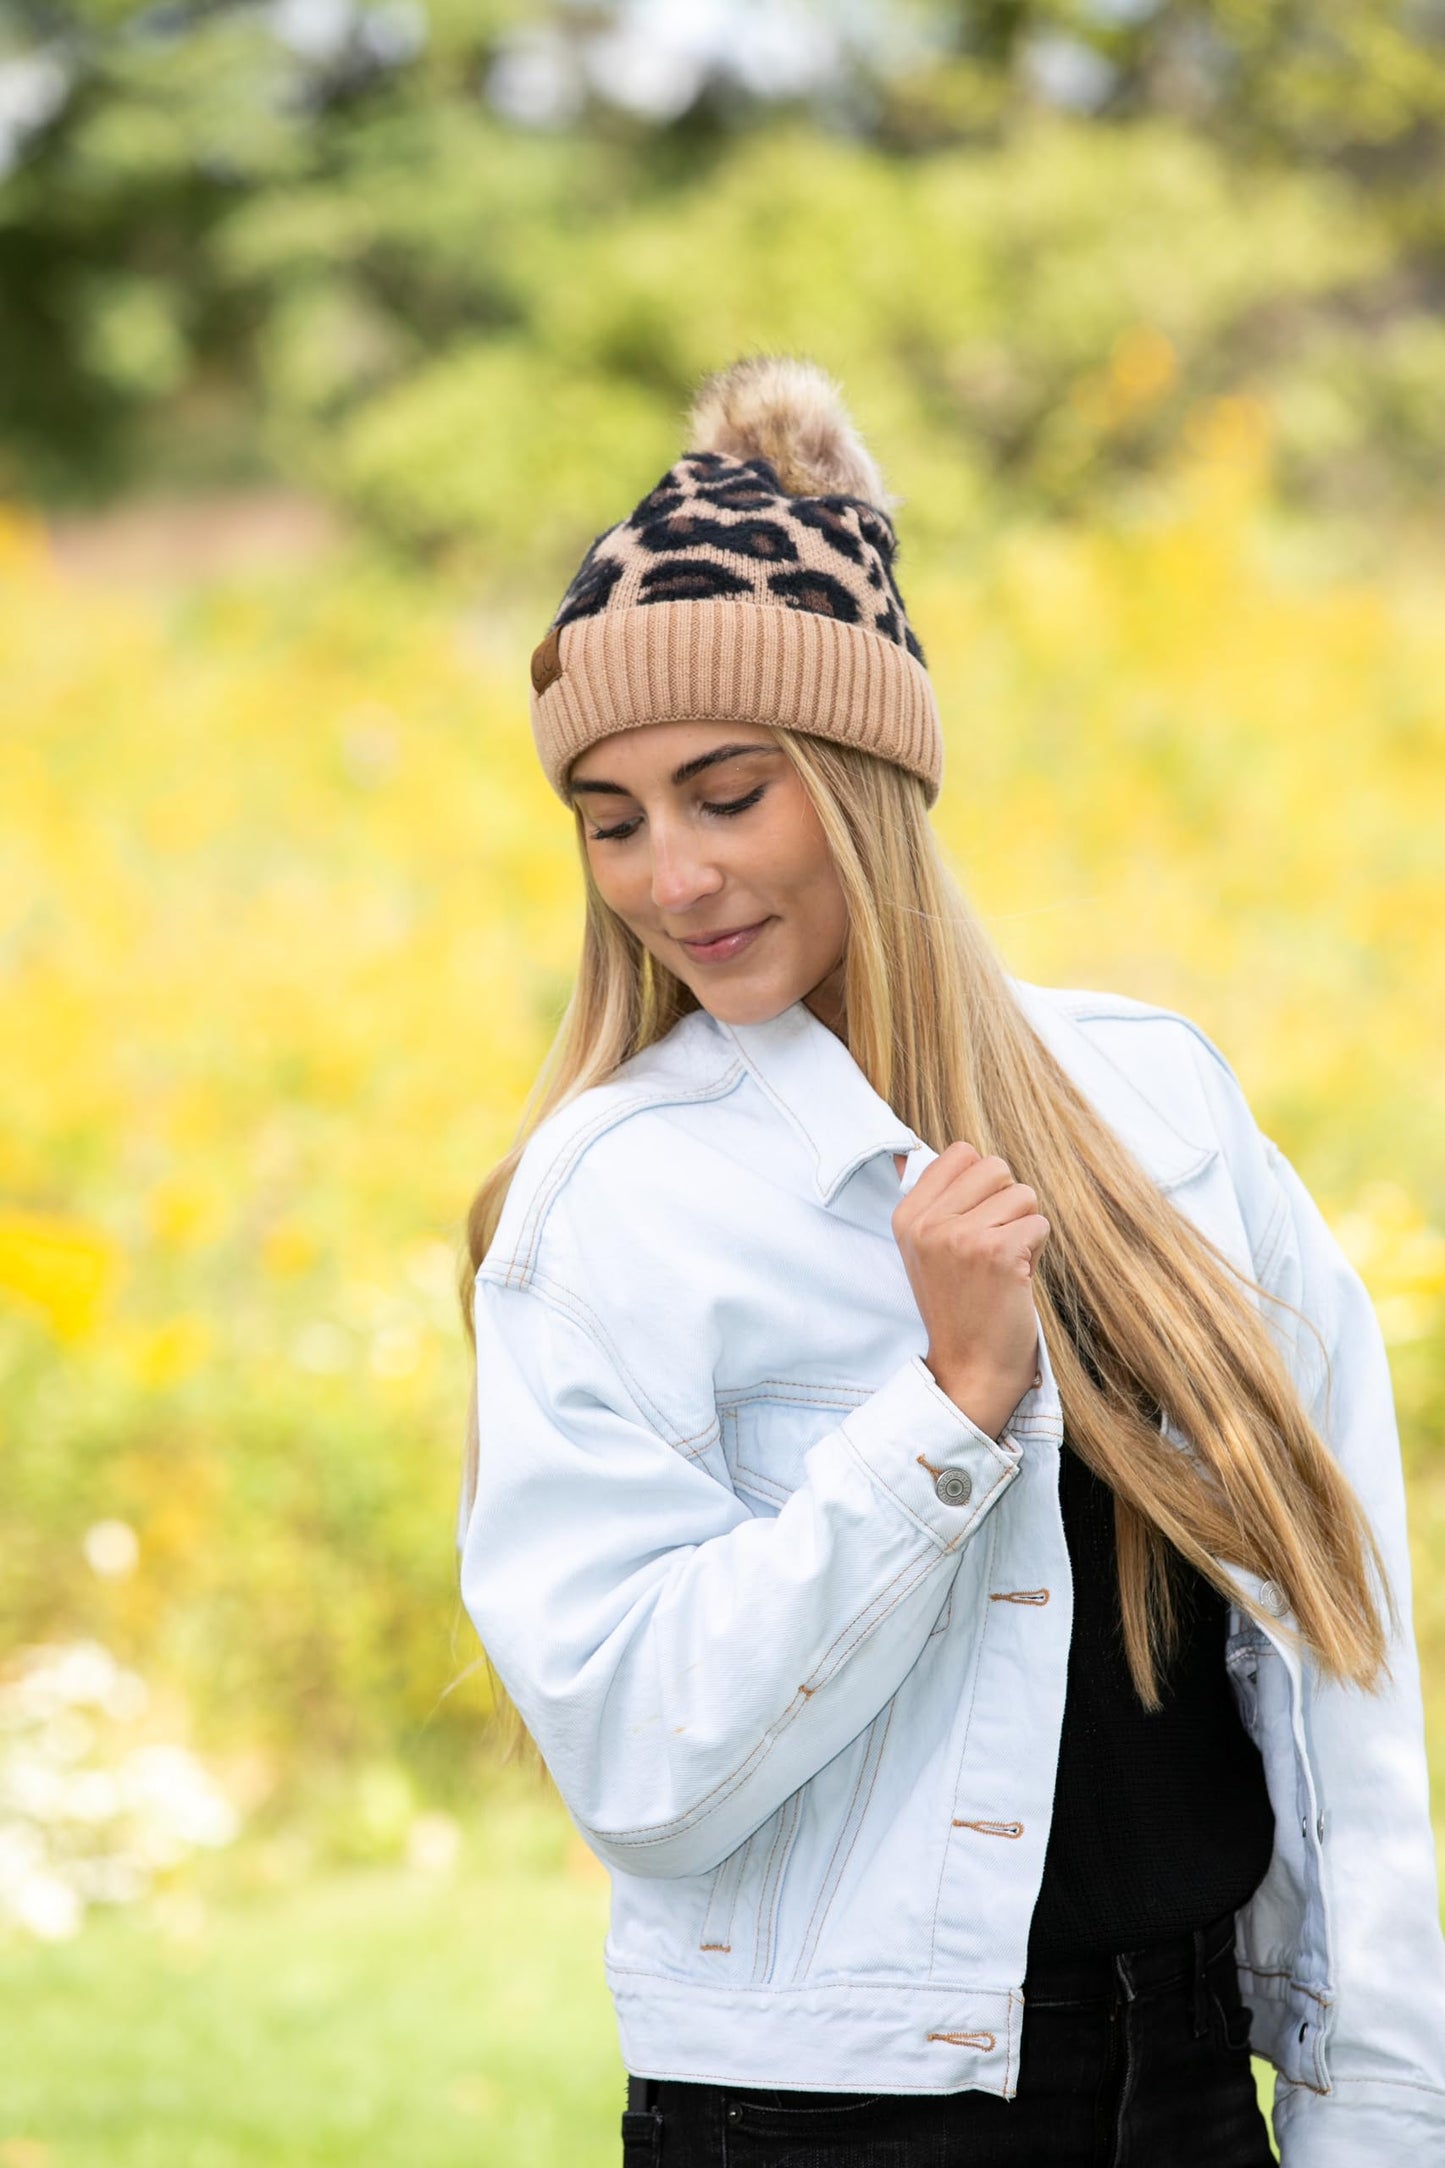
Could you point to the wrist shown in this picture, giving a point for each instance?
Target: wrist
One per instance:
(979, 1399)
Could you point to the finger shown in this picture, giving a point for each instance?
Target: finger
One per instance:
(1033, 1244)
(1036, 1240)
(998, 1208)
(957, 1185)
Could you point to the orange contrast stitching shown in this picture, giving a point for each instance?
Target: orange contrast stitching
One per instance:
(766, 1744)
(853, 1821)
(767, 1892)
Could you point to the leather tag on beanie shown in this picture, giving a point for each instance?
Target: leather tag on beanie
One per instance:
(547, 660)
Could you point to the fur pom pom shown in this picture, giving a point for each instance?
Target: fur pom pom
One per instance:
(790, 411)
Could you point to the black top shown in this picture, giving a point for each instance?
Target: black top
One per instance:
(1161, 1820)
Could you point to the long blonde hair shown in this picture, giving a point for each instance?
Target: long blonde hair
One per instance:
(1139, 1311)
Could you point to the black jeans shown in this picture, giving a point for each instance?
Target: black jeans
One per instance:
(1134, 2061)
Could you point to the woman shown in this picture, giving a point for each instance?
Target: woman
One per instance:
(933, 1494)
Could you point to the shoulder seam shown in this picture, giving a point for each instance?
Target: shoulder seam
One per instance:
(566, 1304)
(520, 1266)
(1271, 1242)
(1151, 1013)
(1264, 1257)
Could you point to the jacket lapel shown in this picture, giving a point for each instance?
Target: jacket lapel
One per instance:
(813, 1080)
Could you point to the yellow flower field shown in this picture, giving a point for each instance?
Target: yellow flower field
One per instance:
(287, 914)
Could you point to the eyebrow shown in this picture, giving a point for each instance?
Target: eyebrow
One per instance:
(688, 769)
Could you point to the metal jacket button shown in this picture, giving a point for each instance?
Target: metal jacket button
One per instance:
(1273, 1597)
(954, 1486)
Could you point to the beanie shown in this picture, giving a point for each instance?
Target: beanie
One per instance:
(753, 583)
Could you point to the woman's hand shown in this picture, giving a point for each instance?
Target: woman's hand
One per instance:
(969, 1235)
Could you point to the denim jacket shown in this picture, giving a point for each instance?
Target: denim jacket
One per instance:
(791, 1631)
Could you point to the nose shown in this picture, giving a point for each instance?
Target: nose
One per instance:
(682, 867)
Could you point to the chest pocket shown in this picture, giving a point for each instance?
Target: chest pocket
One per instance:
(767, 1429)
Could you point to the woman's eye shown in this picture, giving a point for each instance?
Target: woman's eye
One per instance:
(736, 805)
(620, 833)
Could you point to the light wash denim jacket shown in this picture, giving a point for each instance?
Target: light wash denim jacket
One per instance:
(791, 1630)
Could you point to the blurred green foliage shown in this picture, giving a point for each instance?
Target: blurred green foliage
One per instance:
(242, 239)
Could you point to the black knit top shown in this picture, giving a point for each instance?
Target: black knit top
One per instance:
(1161, 1821)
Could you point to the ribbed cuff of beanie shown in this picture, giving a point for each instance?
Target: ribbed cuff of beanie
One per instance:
(710, 660)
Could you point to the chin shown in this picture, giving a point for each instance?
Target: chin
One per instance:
(743, 1004)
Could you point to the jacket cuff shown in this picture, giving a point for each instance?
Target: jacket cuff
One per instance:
(933, 1461)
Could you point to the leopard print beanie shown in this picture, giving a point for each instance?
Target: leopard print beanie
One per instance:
(753, 583)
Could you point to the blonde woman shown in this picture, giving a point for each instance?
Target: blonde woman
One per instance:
(933, 1495)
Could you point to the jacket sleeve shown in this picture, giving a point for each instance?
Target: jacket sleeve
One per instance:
(1385, 2035)
(683, 1666)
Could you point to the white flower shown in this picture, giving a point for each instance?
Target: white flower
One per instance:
(111, 1548)
(169, 1785)
(85, 1816)
(433, 1842)
(49, 1907)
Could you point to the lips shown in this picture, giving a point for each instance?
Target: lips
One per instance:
(724, 933)
(721, 947)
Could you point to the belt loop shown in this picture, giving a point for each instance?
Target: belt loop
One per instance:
(641, 2124)
(1201, 2004)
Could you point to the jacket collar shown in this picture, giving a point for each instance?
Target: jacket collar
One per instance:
(809, 1075)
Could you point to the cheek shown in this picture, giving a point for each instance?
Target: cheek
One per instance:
(789, 841)
(801, 865)
(614, 876)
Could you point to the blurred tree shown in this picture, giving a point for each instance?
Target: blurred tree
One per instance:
(133, 346)
(458, 265)
(1349, 78)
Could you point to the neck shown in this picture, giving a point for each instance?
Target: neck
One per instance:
(826, 1001)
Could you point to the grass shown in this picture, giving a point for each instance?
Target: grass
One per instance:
(368, 2014)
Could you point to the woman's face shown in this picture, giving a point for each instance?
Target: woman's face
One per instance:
(703, 829)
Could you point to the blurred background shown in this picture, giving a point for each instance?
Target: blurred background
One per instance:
(330, 334)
